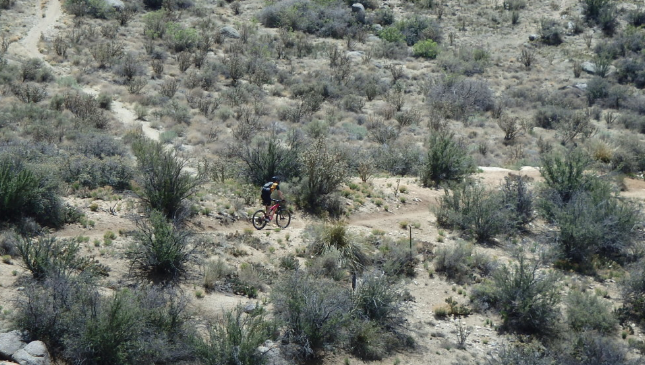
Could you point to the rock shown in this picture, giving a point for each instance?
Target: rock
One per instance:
(35, 353)
(229, 32)
(377, 27)
(8, 363)
(533, 37)
(250, 307)
(588, 67)
(358, 8)
(355, 55)
(581, 86)
(116, 4)
(10, 342)
(272, 354)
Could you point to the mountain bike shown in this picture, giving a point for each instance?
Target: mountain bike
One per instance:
(281, 214)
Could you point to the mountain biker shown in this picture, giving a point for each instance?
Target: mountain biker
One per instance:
(267, 190)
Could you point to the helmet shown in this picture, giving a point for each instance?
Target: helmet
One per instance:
(275, 178)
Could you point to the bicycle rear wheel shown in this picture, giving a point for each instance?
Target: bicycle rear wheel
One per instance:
(258, 219)
(283, 218)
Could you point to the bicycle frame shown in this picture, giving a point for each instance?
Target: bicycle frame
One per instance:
(274, 208)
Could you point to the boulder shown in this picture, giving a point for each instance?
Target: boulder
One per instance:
(35, 353)
(116, 4)
(250, 307)
(534, 37)
(588, 67)
(10, 342)
(229, 32)
(358, 8)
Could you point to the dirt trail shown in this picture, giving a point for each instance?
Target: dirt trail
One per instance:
(43, 25)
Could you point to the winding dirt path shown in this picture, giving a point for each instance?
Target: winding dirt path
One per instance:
(46, 16)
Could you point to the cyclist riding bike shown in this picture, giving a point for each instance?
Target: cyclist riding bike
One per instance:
(267, 190)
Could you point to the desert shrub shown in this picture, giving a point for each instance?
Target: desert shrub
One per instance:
(518, 199)
(426, 49)
(603, 13)
(161, 249)
(587, 312)
(234, 338)
(465, 61)
(462, 263)
(391, 34)
(595, 222)
(323, 170)
(366, 340)
(526, 297)
(313, 310)
(27, 192)
(377, 299)
(446, 161)
(398, 158)
(94, 8)
(6, 4)
(632, 288)
(329, 19)
(636, 17)
(477, 212)
(34, 69)
(85, 109)
(564, 175)
(267, 158)
(164, 182)
(597, 88)
(396, 260)
(98, 145)
(81, 326)
(28, 92)
(551, 32)
(49, 256)
(180, 39)
(629, 157)
(532, 353)
(418, 28)
(548, 117)
(334, 239)
(391, 50)
(458, 98)
(93, 172)
(129, 66)
(155, 24)
(383, 16)
(591, 348)
(631, 70)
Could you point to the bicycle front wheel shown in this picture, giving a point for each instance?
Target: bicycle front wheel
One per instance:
(283, 218)
(258, 219)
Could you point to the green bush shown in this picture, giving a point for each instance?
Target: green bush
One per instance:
(518, 199)
(461, 262)
(391, 34)
(314, 311)
(377, 300)
(633, 292)
(526, 298)
(586, 311)
(165, 183)
(426, 49)
(234, 339)
(595, 222)
(334, 238)
(418, 28)
(96, 172)
(564, 175)
(49, 256)
(265, 159)
(79, 325)
(94, 8)
(161, 249)
(551, 32)
(323, 171)
(459, 98)
(366, 340)
(478, 213)
(26, 192)
(465, 61)
(179, 38)
(447, 161)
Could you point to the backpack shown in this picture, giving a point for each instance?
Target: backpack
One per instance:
(267, 188)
